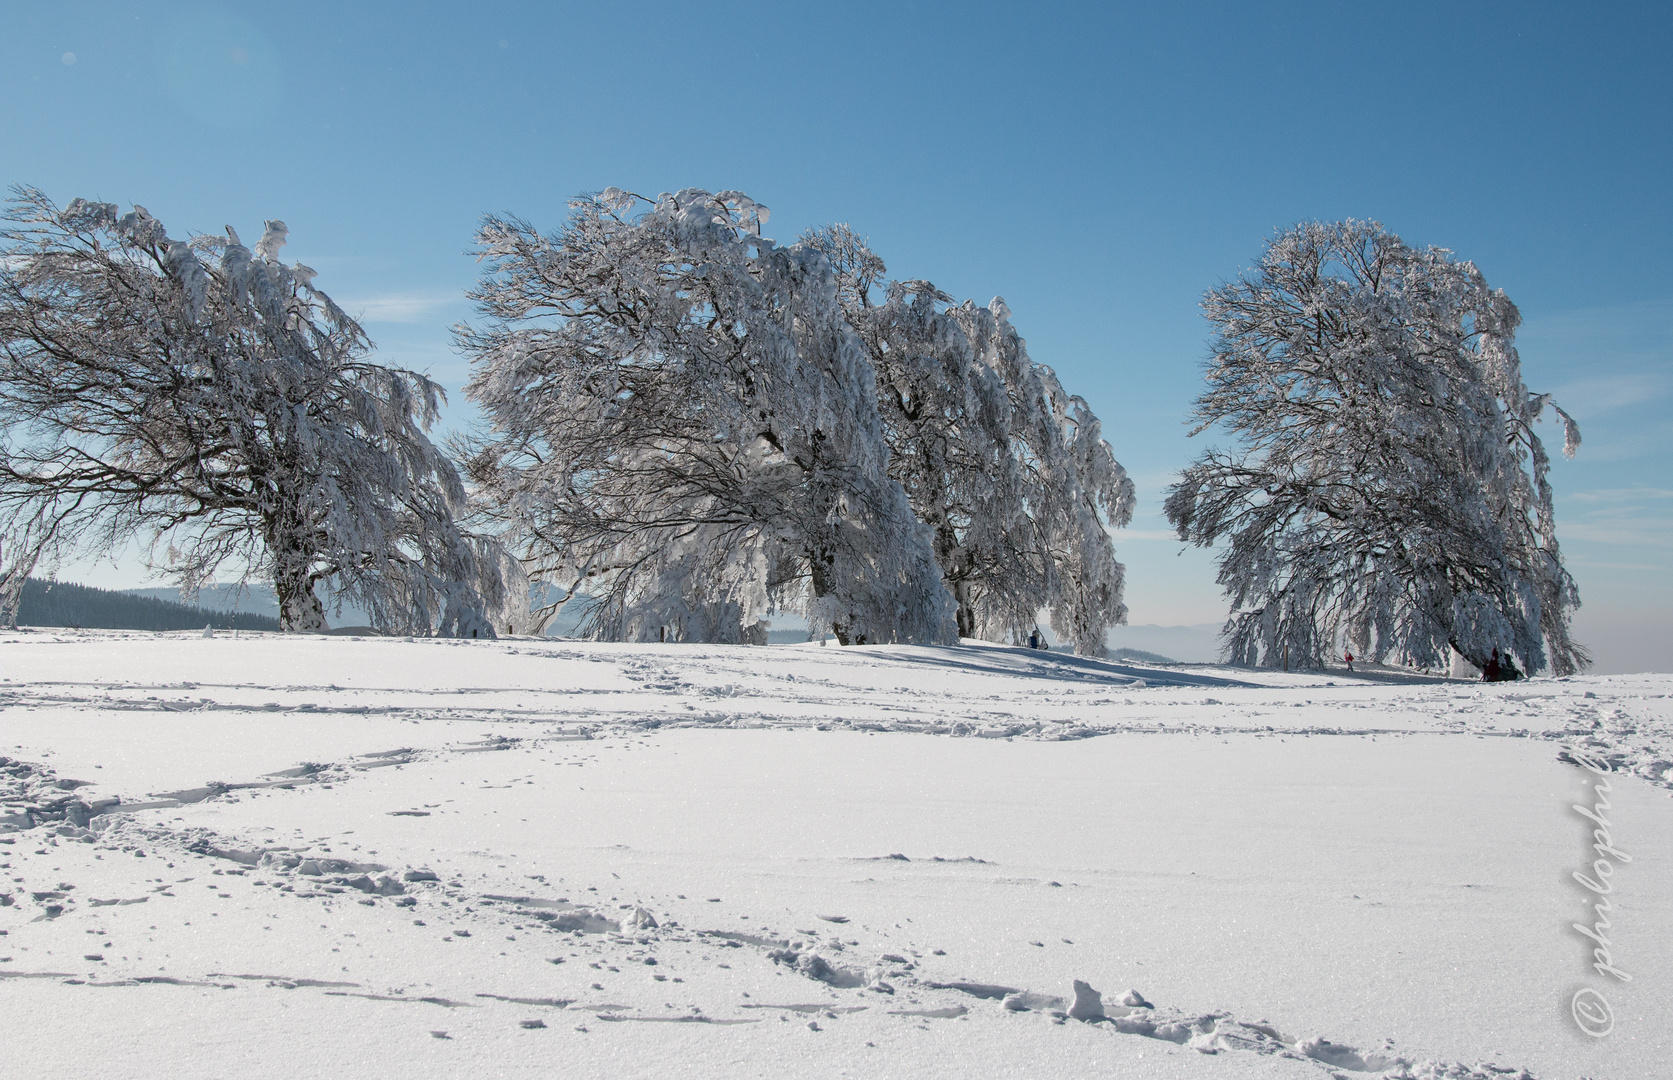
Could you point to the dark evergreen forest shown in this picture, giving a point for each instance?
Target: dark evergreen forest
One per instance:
(59, 603)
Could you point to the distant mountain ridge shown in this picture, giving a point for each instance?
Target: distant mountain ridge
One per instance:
(1194, 644)
(1141, 656)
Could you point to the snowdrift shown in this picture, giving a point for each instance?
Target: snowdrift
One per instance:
(295, 855)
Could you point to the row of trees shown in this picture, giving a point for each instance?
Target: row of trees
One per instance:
(691, 427)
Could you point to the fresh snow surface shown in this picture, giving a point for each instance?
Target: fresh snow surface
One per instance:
(340, 856)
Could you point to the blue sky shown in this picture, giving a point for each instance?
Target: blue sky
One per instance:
(1099, 166)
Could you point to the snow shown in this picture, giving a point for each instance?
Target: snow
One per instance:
(873, 861)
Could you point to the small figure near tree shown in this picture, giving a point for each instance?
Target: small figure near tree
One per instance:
(1500, 668)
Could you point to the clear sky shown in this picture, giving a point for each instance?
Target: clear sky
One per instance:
(1098, 165)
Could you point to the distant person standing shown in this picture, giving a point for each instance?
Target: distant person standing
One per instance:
(1349, 657)
(1490, 671)
(1034, 639)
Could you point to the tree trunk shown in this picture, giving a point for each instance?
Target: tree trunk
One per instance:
(956, 574)
(819, 567)
(966, 609)
(299, 609)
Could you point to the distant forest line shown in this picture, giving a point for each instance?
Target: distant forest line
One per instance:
(60, 603)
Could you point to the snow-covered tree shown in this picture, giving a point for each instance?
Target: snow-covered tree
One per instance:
(205, 397)
(684, 428)
(1389, 491)
(1010, 473)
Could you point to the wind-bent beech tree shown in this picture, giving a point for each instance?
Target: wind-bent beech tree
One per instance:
(684, 428)
(1389, 491)
(1010, 473)
(206, 397)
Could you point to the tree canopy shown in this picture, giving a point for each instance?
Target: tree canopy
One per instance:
(1010, 472)
(1388, 489)
(205, 397)
(684, 428)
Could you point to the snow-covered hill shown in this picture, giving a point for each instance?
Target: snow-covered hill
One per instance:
(300, 856)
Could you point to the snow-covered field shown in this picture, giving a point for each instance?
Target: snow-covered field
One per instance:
(341, 856)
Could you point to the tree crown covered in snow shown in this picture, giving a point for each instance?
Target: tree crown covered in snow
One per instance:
(684, 428)
(1009, 472)
(204, 396)
(1389, 491)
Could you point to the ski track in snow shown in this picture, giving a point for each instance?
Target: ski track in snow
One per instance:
(95, 871)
